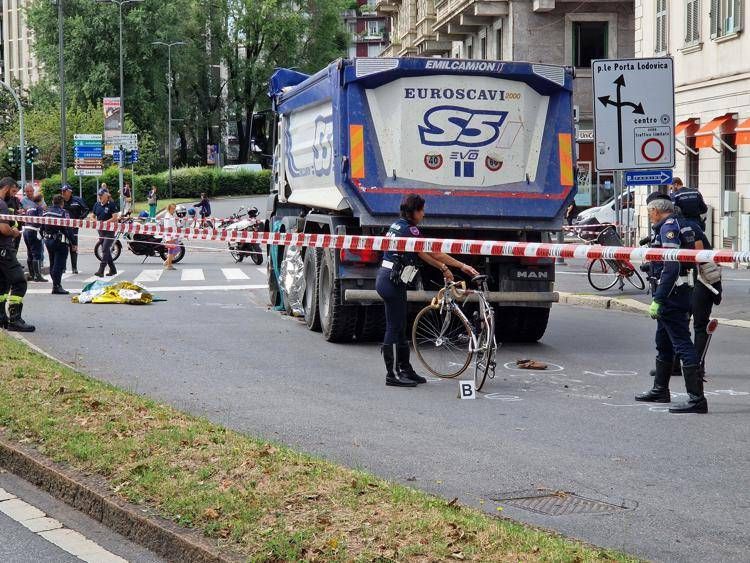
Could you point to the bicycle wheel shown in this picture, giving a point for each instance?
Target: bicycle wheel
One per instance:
(601, 275)
(635, 278)
(442, 341)
(487, 346)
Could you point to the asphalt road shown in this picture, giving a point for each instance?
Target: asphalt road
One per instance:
(677, 487)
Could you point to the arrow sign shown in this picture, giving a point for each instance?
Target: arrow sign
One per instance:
(619, 104)
(648, 177)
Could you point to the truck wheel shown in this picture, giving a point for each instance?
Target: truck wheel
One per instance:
(273, 288)
(520, 324)
(337, 321)
(371, 323)
(310, 299)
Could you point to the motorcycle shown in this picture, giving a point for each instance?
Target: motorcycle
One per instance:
(140, 245)
(245, 221)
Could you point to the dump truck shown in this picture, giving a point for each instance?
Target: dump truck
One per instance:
(488, 144)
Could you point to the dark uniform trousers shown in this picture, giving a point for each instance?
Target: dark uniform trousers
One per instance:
(58, 256)
(12, 278)
(673, 328)
(394, 299)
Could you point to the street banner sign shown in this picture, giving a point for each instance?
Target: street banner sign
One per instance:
(112, 121)
(633, 113)
(648, 177)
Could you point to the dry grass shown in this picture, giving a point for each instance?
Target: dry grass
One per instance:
(263, 500)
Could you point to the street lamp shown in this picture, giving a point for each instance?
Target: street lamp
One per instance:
(22, 145)
(120, 4)
(169, 103)
(61, 55)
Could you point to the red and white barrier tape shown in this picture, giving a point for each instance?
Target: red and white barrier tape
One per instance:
(451, 246)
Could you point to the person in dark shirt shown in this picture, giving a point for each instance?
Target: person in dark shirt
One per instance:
(690, 201)
(33, 240)
(57, 239)
(77, 209)
(106, 210)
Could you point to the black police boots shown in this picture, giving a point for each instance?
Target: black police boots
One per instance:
(112, 271)
(403, 366)
(74, 261)
(676, 369)
(696, 402)
(659, 393)
(15, 322)
(394, 379)
(58, 290)
(100, 272)
(37, 271)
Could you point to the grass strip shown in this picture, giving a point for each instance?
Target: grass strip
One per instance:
(260, 499)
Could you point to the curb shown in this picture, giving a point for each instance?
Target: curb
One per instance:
(627, 305)
(92, 497)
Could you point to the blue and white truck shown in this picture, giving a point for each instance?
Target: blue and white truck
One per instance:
(488, 144)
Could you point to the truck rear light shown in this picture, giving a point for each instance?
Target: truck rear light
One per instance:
(355, 256)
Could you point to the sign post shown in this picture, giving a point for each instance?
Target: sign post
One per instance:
(634, 113)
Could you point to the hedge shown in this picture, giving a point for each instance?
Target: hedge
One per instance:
(186, 182)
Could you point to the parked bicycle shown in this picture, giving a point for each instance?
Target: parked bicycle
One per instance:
(445, 340)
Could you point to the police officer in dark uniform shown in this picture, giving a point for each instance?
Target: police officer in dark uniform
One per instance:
(106, 210)
(690, 201)
(397, 270)
(12, 278)
(671, 308)
(57, 239)
(77, 209)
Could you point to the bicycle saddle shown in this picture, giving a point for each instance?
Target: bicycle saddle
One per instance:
(481, 278)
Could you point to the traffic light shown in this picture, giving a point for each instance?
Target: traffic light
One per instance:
(14, 156)
(32, 151)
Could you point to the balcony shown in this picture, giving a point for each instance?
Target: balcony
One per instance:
(387, 7)
(426, 40)
(370, 37)
(457, 18)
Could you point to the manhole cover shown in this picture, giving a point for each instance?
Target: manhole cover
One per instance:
(558, 503)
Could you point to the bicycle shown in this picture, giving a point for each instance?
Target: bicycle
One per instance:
(605, 273)
(444, 339)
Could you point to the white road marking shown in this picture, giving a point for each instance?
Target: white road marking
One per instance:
(234, 274)
(105, 278)
(53, 531)
(149, 276)
(193, 275)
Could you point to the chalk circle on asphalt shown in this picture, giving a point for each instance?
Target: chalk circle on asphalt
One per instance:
(550, 368)
(501, 397)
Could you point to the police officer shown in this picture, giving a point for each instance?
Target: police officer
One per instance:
(12, 279)
(690, 202)
(397, 270)
(106, 210)
(57, 239)
(671, 309)
(33, 239)
(77, 209)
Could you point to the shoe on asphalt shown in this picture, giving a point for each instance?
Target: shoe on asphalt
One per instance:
(696, 402)
(75, 271)
(58, 290)
(659, 393)
(169, 268)
(100, 272)
(15, 322)
(112, 272)
(393, 379)
(404, 368)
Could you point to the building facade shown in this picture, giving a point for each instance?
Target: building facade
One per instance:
(548, 31)
(368, 29)
(709, 42)
(19, 64)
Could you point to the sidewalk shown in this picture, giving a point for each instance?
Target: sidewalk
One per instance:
(574, 289)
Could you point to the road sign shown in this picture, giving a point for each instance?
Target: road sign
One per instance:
(648, 177)
(87, 137)
(81, 152)
(128, 141)
(88, 153)
(130, 156)
(633, 113)
(89, 171)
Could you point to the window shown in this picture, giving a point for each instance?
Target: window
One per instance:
(589, 42)
(660, 37)
(499, 44)
(692, 22)
(483, 48)
(374, 28)
(692, 164)
(729, 164)
(726, 17)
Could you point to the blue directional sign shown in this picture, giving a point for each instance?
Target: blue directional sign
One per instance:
(648, 177)
(130, 156)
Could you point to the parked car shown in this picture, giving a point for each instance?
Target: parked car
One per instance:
(607, 212)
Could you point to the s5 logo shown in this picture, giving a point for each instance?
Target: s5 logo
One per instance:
(453, 125)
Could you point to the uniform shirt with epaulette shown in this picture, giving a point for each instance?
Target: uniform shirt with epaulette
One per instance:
(690, 202)
(402, 228)
(671, 234)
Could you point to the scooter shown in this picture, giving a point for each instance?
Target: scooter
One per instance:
(140, 245)
(250, 223)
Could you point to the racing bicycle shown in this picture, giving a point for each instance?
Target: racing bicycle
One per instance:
(445, 340)
(605, 273)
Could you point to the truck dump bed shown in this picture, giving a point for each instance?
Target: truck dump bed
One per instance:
(488, 144)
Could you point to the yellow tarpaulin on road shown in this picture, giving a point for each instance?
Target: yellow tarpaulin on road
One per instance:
(124, 292)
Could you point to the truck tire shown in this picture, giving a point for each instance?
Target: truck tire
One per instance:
(311, 270)
(520, 324)
(371, 323)
(337, 321)
(274, 295)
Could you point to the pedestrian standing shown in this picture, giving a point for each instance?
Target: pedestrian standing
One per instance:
(397, 270)
(571, 212)
(77, 209)
(12, 279)
(205, 208)
(33, 239)
(152, 198)
(106, 210)
(169, 221)
(690, 201)
(27, 202)
(671, 308)
(127, 194)
(57, 239)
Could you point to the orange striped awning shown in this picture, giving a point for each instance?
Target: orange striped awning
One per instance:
(683, 126)
(743, 133)
(704, 137)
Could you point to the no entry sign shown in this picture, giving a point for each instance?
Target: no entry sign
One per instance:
(633, 113)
